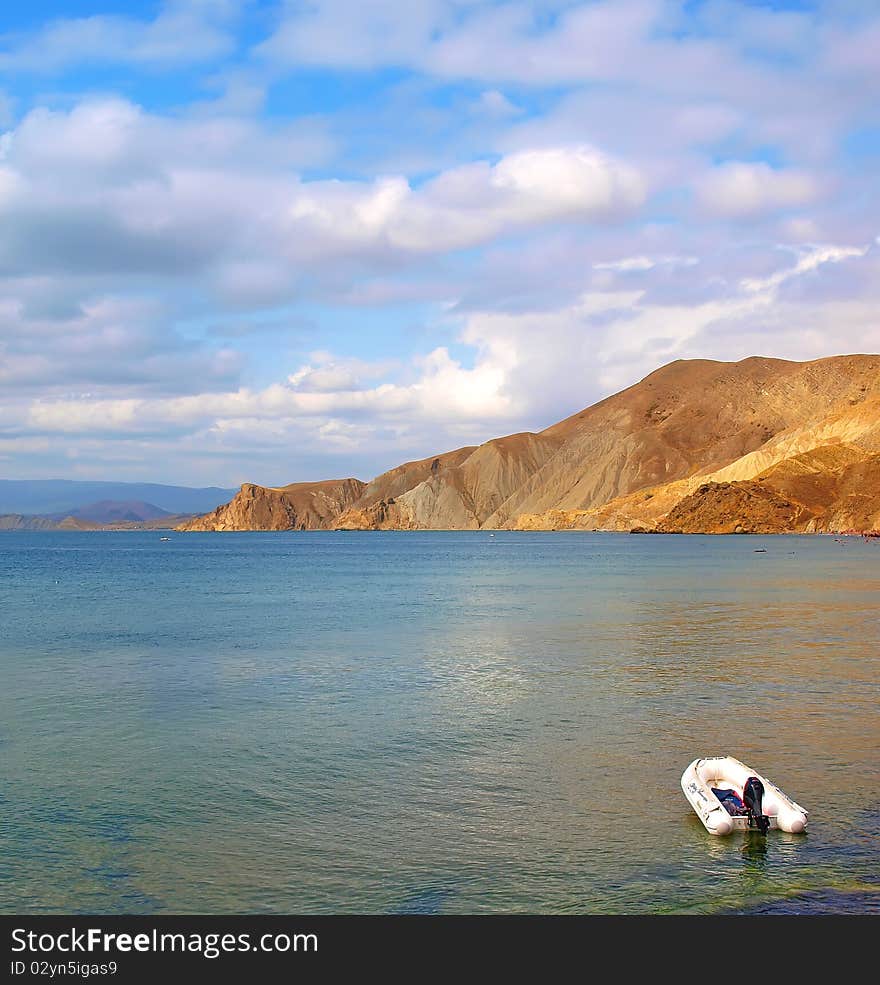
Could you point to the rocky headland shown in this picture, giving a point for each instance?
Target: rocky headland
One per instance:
(757, 446)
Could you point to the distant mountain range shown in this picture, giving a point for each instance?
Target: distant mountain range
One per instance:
(50, 497)
(116, 520)
(34, 504)
(115, 511)
(756, 446)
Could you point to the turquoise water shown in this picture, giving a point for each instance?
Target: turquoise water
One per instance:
(428, 722)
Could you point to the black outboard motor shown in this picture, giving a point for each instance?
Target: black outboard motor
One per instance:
(753, 798)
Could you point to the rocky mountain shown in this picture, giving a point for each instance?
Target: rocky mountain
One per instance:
(299, 506)
(761, 444)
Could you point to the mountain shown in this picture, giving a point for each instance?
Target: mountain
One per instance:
(111, 520)
(107, 514)
(17, 521)
(299, 506)
(52, 497)
(762, 445)
(115, 511)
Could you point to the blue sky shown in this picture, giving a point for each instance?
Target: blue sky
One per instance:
(277, 241)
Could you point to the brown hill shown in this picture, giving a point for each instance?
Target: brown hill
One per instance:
(833, 488)
(631, 459)
(735, 508)
(461, 490)
(299, 506)
(19, 521)
(377, 508)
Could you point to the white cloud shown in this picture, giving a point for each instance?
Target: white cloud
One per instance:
(183, 31)
(444, 390)
(141, 192)
(607, 336)
(517, 371)
(557, 361)
(467, 40)
(809, 259)
(469, 204)
(576, 181)
(638, 263)
(355, 33)
(656, 45)
(495, 103)
(106, 342)
(328, 373)
(744, 189)
(570, 212)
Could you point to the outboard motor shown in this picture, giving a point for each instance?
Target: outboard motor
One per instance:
(753, 798)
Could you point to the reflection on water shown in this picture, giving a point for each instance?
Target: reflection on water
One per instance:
(754, 851)
(424, 723)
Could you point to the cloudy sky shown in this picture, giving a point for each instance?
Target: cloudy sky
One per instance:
(273, 240)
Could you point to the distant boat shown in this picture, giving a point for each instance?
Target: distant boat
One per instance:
(164, 538)
(727, 796)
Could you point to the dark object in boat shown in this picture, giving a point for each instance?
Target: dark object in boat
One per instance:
(753, 796)
(731, 802)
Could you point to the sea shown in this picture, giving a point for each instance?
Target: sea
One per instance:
(431, 722)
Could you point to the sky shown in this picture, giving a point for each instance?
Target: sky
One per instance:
(282, 241)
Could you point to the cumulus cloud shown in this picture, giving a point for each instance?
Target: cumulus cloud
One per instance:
(738, 189)
(334, 388)
(326, 372)
(630, 71)
(109, 189)
(609, 338)
(478, 40)
(472, 203)
(111, 138)
(377, 32)
(103, 195)
(183, 31)
(103, 342)
(658, 44)
(109, 186)
(317, 273)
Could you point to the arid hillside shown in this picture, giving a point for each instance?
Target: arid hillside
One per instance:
(762, 444)
(299, 506)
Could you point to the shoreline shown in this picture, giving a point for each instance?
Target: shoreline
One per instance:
(861, 535)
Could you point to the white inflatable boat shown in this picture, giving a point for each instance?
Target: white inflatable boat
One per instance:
(729, 796)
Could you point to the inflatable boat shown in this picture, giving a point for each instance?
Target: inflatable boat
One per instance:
(727, 796)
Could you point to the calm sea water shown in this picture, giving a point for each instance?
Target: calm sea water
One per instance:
(429, 722)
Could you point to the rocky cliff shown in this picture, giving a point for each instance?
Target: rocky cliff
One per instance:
(762, 444)
(299, 506)
(835, 488)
